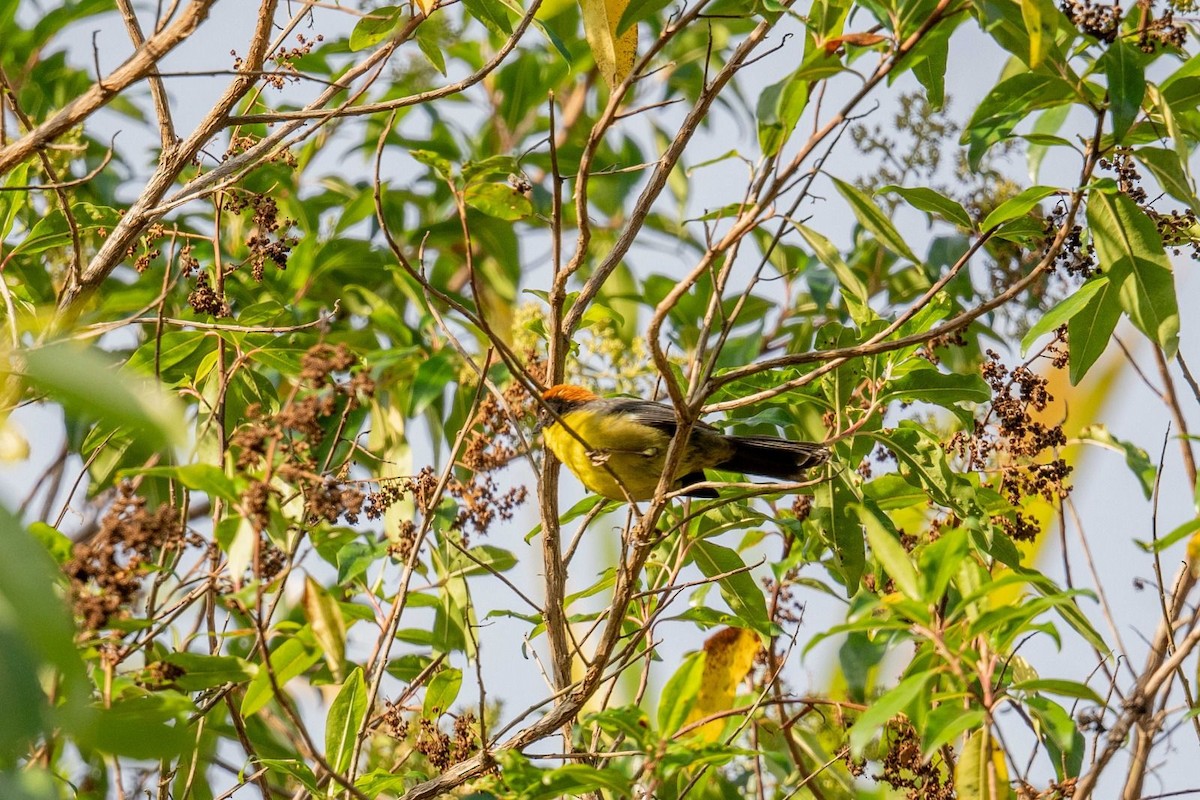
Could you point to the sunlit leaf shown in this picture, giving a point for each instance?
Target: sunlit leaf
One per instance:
(346, 715)
(738, 586)
(442, 691)
(1090, 326)
(328, 626)
(1126, 85)
(871, 217)
(1064, 312)
(981, 772)
(375, 27)
(613, 52)
(1130, 250)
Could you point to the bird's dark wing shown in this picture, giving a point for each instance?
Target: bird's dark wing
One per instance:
(697, 477)
(657, 415)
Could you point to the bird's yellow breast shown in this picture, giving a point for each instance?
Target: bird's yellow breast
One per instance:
(618, 452)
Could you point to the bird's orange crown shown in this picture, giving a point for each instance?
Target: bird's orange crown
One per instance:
(567, 393)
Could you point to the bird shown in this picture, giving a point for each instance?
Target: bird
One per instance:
(617, 446)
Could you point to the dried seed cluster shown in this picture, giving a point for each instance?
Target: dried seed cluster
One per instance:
(1008, 440)
(267, 223)
(286, 444)
(1075, 258)
(480, 503)
(1095, 19)
(205, 300)
(494, 441)
(1055, 791)
(905, 770)
(443, 750)
(106, 571)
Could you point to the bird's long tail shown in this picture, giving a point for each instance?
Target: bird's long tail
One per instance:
(773, 458)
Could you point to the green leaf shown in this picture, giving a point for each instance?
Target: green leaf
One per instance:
(374, 27)
(945, 723)
(491, 14)
(1009, 102)
(1059, 686)
(353, 559)
(36, 634)
(13, 201)
(141, 726)
(638, 10)
(1135, 457)
(576, 780)
(1018, 206)
(945, 389)
(52, 231)
(870, 723)
(1169, 121)
(199, 477)
(981, 766)
(679, 694)
(1166, 168)
(380, 782)
(871, 217)
(940, 561)
(1131, 252)
(891, 555)
(853, 289)
(202, 671)
(1126, 85)
(57, 543)
(498, 200)
(932, 53)
(740, 590)
(434, 374)
(346, 714)
(841, 529)
(442, 691)
(324, 616)
(297, 769)
(289, 660)
(435, 161)
(428, 41)
(1181, 532)
(931, 202)
(922, 461)
(1058, 731)
(1064, 312)
(1089, 328)
(779, 108)
(30, 782)
(87, 385)
(488, 556)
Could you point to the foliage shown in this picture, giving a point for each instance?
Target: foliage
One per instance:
(285, 374)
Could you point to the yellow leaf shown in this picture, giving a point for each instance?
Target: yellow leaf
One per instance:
(13, 446)
(728, 655)
(981, 772)
(614, 55)
(426, 6)
(1193, 553)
